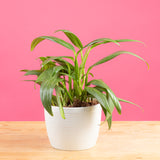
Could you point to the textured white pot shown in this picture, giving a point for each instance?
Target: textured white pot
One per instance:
(78, 131)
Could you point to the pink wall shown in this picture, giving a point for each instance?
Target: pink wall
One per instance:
(21, 21)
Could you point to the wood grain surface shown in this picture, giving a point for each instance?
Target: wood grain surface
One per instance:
(125, 141)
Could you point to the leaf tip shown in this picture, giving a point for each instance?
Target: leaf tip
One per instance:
(63, 116)
(51, 114)
(32, 48)
(109, 111)
(142, 43)
(56, 30)
(147, 65)
(109, 127)
(118, 44)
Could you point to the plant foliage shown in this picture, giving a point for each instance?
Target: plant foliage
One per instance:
(68, 79)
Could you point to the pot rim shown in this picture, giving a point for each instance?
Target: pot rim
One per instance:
(77, 107)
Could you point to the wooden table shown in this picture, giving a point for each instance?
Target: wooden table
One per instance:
(125, 141)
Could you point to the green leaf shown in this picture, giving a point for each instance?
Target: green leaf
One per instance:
(101, 98)
(122, 100)
(72, 37)
(57, 58)
(58, 95)
(54, 100)
(48, 65)
(42, 58)
(49, 73)
(60, 61)
(88, 73)
(69, 75)
(46, 92)
(107, 115)
(30, 80)
(109, 121)
(39, 83)
(102, 41)
(100, 89)
(111, 56)
(98, 42)
(128, 40)
(64, 63)
(100, 83)
(111, 105)
(32, 72)
(37, 40)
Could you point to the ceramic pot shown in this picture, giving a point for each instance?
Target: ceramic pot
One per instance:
(78, 131)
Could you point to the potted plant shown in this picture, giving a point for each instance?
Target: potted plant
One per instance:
(72, 103)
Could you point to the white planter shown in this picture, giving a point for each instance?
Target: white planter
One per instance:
(78, 131)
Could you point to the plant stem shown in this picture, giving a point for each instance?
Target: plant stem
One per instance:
(86, 54)
(70, 97)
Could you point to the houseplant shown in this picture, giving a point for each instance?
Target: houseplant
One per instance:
(73, 112)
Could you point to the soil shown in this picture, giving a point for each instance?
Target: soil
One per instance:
(78, 103)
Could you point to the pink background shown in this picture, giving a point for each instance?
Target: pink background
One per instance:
(23, 20)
